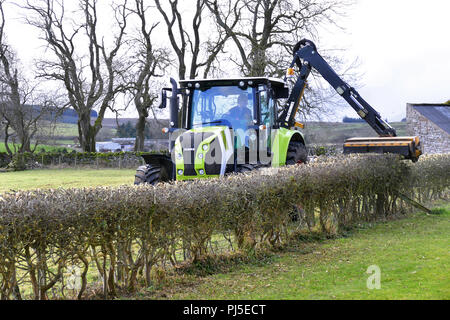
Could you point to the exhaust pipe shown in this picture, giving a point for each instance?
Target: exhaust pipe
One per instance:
(174, 105)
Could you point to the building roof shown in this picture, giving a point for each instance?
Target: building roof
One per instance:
(439, 114)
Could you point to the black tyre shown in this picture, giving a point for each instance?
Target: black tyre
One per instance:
(296, 154)
(244, 168)
(148, 174)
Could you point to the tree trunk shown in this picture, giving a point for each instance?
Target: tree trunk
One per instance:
(25, 143)
(258, 63)
(86, 133)
(8, 150)
(140, 133)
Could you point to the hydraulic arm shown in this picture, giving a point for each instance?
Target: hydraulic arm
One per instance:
(306, 57)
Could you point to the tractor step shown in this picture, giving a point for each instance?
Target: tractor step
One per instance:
(408, 147)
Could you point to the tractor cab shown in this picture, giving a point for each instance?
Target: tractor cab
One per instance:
(236, 103)
(245, 106)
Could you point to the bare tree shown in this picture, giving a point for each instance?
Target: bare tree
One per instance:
(265, 31)
(193, 44)
(91, 77)
(24, 111)
(146, 67)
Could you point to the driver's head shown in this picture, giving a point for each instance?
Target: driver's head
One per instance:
(243, 100)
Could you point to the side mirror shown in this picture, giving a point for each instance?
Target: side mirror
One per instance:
(174, 104)
(281, 93)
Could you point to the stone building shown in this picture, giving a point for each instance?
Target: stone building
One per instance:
(431, 122)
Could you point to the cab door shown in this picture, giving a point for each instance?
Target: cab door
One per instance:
(267, 120)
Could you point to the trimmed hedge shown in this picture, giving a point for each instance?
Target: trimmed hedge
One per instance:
(324, 150)
(125, 234)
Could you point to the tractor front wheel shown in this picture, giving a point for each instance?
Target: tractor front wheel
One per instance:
(148, 174)
(297, 153)
(246, 168)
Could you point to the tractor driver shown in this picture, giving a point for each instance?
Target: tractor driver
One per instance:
(240, 113)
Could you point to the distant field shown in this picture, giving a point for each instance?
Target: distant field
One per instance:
(66, 129)
(64, 178)
(65, 133)
(45, 147)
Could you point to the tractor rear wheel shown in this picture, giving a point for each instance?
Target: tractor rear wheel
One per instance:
(296, 154)
(244, 168)
(148, 174)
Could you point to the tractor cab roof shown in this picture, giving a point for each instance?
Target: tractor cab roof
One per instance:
(241, 82)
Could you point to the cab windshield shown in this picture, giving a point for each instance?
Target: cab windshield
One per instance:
(225, 105)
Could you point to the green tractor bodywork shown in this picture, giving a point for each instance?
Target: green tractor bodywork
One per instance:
(281, 141)
(209, 136)
(199, 167)
(283, 138)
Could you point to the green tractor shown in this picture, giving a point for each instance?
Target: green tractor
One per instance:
(237, 125)
(222, 126)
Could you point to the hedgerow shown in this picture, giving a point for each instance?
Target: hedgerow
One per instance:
(95, 159)
(120, 236)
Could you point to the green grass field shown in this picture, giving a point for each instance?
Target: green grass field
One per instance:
(64, 178)
(413, 255)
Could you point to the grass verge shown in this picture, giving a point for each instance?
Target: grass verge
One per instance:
(412, 253)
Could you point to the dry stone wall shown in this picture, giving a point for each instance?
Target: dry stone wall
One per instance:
(434, 139)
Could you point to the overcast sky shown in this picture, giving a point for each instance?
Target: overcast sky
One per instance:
(402, 46)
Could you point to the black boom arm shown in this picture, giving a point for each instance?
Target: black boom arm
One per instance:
(306, 57)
